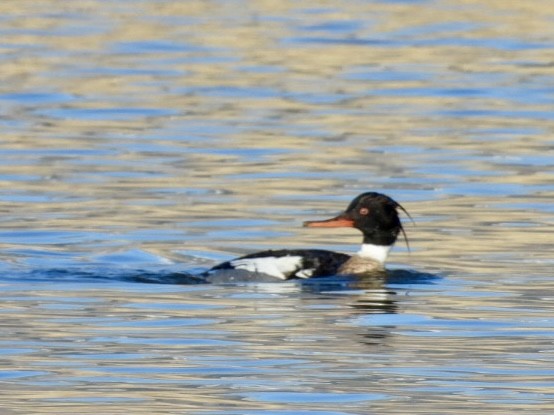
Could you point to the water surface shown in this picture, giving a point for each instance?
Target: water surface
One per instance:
(149, 139)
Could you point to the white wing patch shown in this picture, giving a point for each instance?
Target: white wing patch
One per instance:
(279, 267)
(305, 273)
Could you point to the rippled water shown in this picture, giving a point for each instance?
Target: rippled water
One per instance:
(145, 140)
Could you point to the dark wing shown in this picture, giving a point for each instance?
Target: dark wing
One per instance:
(289, 263)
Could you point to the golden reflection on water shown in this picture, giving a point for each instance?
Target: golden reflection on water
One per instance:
(202, 129)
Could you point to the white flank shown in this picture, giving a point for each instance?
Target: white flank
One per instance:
(378, 253)
(279, 267)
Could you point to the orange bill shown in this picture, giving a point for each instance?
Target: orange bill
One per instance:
(338, 222)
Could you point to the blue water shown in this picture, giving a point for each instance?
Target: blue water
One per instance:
(145, 142)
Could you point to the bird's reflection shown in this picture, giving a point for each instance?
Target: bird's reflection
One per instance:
(368, 295)
(361, 298)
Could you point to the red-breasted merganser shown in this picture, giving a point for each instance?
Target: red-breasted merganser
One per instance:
(374, 214)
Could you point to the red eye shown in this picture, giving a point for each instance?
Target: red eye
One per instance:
(364, 211)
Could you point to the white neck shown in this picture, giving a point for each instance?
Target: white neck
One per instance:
(378, 253)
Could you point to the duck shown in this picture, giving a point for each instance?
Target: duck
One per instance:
(374, 214)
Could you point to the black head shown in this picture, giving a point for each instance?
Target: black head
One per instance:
(374, 214)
